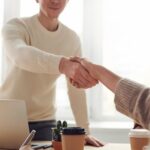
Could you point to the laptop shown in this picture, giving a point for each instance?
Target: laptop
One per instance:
(13, 124)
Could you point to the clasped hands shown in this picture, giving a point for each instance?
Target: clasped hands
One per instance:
(79, 71)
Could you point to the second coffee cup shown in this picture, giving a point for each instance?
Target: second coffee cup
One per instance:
(139, 138)
(73, 138)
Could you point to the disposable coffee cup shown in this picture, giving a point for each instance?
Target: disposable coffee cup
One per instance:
(139, 138)
(73, 138)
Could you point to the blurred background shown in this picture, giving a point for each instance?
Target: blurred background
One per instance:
(115, 34)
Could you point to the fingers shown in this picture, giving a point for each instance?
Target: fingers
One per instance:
(99, 143)
(90, 140)
(79, 60)
(93, 69)
(88, 79)
(84, 80)
(84, 62)
(76, 59)
(75, 71)
(82, 77)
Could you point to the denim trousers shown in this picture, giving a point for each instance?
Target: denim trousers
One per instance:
(43, 129)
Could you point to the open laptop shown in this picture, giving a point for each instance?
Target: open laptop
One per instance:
(13, 124)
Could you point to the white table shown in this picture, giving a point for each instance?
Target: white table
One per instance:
(109, 146)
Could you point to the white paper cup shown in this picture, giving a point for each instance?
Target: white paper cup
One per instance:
(139, 138)
(73, 138)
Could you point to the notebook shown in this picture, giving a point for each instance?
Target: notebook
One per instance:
(13, 124)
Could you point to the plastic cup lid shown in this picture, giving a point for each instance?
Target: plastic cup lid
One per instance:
(139, 133)
(73, 131)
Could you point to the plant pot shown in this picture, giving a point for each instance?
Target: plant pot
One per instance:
(57, 145)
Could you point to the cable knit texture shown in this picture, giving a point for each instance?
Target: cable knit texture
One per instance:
(33, 55)
(133, 100)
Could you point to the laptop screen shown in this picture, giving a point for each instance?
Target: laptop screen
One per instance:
(13, 123)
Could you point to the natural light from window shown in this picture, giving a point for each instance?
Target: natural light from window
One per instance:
(126, 43)
(1, 24)
(66, 17)
(122, 44)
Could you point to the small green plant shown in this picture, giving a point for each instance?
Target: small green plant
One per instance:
(57, 131)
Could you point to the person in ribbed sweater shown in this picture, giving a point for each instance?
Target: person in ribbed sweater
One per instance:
(131, 98)
(37, 51)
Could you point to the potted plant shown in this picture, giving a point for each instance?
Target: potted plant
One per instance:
(56, 134)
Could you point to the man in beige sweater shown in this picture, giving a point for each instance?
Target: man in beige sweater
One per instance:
(131, 98)
(37, 50)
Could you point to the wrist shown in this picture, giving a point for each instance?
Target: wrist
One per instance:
(62, 64)
(96, 70)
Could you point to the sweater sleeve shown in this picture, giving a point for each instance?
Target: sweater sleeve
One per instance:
(77, 98)
(78, 104)
(133, 100)
(24, 56)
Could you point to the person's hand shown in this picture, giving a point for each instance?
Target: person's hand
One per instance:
(89, 66)
(76, 73)
(90, 140)
(26, 147)
(100, 73)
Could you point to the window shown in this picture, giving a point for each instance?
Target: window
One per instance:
(114, 33)
(1, 23)
(121, 33)
(126, 38)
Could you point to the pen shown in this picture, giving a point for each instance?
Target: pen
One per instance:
(29, 138)
(41, 146)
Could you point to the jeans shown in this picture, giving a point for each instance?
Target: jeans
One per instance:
(43, 129)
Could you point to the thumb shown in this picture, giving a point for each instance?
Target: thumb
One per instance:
(76, 59)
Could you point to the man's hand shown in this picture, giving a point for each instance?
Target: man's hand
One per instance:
(76, 73)
(89, 66)
(90, 140)
(100, 73)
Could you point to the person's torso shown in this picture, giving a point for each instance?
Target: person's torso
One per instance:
(38, 89)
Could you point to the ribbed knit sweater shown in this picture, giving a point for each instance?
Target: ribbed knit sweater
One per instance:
(133, 100)
(32, 57)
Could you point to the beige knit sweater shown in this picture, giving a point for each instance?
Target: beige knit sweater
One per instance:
(32, 58)
(133, 100)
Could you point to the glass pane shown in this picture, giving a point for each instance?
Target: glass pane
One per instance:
(126, 38)
(28, 8)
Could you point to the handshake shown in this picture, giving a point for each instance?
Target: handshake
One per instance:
(82, 73)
